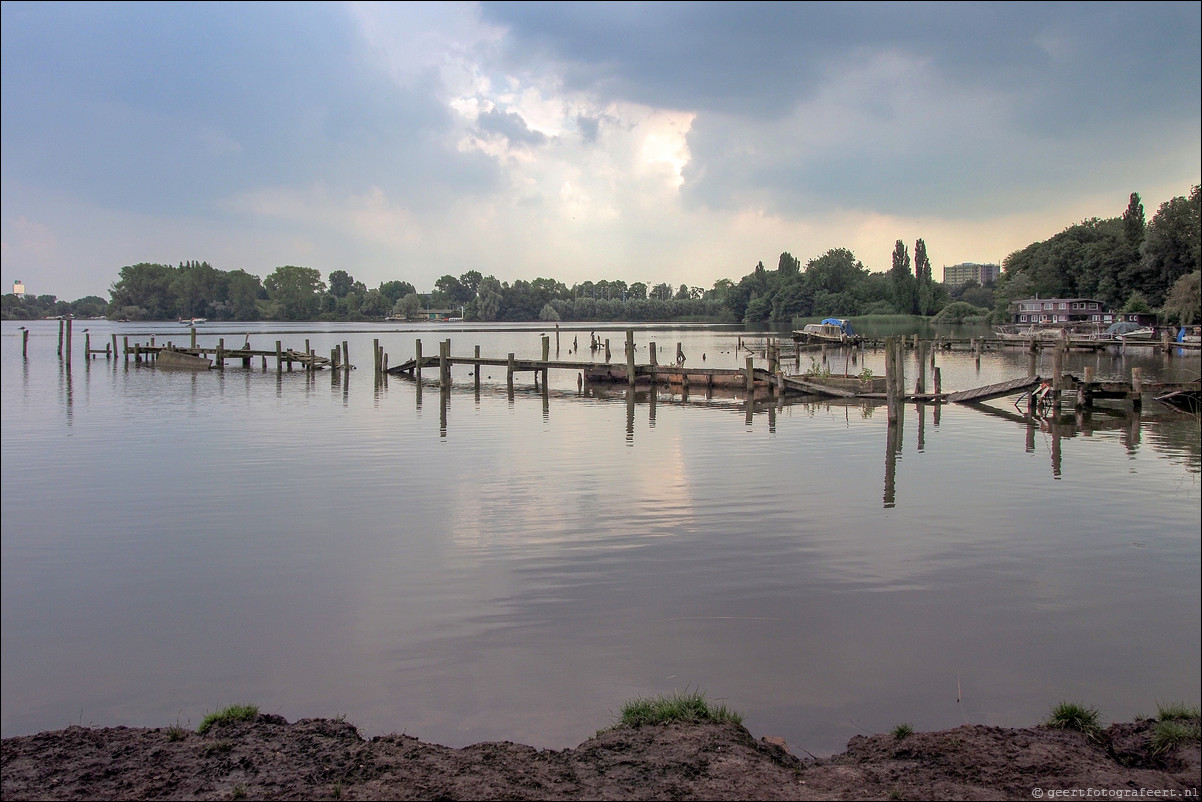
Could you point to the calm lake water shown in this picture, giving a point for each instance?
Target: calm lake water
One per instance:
(471, 567)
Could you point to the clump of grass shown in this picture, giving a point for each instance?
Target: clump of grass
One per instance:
(902, 731)
(1074, 716)
(231, 713)
(687, 707)
(176, 733)
(1176, 711)
(1172, 733)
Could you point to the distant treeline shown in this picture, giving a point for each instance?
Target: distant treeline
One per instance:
(1123, 261)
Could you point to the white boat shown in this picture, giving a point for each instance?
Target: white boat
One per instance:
(1028, 333)
(1126, 330)
(830, 330)
(192, 321)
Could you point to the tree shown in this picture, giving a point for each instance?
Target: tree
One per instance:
(488, 299)
(243, 290)
(394, 291)
(1171, 247)
(145, 287)
(1184, 302)
(922, 276)
(788, 264)
(408, 306)
(340, 283)
(1136, 304)
(295, 290)
(905, 295)
(1133, 223)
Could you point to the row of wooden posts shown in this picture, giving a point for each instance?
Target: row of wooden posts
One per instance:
(339, 357)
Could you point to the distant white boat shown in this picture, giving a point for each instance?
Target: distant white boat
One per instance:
(1126, 330)
(192, 321)
(830, 330)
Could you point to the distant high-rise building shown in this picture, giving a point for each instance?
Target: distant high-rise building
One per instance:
(18, 289)
(955, 275)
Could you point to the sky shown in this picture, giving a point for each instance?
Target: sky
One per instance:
(677, 143)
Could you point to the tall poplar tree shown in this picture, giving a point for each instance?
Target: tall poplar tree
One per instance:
(905, 297)
(922, 274)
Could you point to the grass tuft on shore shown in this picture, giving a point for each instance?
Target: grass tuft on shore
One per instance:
(687, 707)
(1170, 734)
(1176, 711)
(902, 731)
(231, 713)
(1074, 716)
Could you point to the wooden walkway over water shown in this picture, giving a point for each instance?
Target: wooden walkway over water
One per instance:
(772, 379)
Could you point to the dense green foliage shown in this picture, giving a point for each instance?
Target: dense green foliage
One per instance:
(1121, 261)
(1118, 261)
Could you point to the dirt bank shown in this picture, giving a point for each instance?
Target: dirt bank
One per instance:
(269, 758)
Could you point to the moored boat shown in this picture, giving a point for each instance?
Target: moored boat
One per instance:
(1126, 330)
(830, 330)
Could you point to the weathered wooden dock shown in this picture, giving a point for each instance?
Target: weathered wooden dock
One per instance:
(285, 358)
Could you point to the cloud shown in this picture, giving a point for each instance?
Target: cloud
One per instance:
(650, 142)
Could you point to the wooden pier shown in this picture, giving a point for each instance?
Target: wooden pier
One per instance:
(285, 358)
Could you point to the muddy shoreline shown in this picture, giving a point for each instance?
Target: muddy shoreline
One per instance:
(269, 758)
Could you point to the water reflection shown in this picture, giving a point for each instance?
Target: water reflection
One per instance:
(546, 553)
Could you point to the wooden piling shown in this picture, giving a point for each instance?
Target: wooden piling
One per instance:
(938, 384)
(346, 355)
(25, 344)
(279, 357)
(509, 374)
(890, 379)
(114, 346)
(444, 368)
(606, 349)
(1057, 375)
(193, 341)
(750, 371)
(219, 357)
(67, 353)
(920, 385)
(630, 357)
(87, 346)
(1137, 388)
